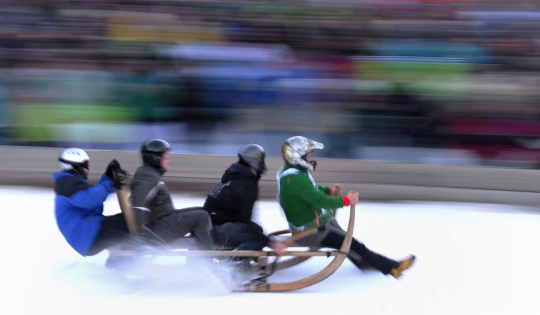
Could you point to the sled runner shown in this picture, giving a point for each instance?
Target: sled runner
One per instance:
(184, 247)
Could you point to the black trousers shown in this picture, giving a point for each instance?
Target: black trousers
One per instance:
(332, 236)
(113, 231)
(240, 236)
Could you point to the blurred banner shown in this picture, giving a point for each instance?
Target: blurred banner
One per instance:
(422, 81)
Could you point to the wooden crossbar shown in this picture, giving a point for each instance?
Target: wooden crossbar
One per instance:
(222, 253)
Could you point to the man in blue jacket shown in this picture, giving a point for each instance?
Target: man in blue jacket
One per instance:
(79, 205)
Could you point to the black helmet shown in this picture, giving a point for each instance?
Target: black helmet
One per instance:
(151, 151)
(253, 155)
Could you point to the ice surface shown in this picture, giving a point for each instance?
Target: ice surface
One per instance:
(471, 259)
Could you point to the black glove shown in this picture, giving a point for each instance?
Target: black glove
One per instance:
(119, 178)
(111, 168)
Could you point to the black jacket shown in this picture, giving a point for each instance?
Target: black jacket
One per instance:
(234, 197)
(150, 196)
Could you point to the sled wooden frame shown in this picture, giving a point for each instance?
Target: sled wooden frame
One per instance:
(260, 283)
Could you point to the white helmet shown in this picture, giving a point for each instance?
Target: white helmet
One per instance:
(296, 148)
(74, 159)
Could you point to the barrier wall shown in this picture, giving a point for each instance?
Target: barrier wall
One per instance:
(376, 181)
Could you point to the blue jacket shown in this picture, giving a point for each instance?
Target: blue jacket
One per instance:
(78, 208)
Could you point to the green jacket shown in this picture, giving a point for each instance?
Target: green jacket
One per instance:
(305, 204)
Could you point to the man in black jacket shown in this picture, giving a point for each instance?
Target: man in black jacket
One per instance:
(230, 204)
(156, 217)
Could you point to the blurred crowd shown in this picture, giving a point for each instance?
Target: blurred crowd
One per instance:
(427, 74)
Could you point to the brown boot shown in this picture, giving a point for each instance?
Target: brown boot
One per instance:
(402, 266)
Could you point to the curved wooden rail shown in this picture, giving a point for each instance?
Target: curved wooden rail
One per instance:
(279, 265)
(283, 264)
(261, 286)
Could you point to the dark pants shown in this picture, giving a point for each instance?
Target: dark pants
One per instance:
(240, 236)
(332, 236)
(113, 231)
(193, 220)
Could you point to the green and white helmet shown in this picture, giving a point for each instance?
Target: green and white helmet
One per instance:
(295, 149)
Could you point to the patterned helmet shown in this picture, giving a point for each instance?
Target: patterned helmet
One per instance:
(295, 149)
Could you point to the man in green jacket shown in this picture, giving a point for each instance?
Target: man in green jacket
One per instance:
(306, 206)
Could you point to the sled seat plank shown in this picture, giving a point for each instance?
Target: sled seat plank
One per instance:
(225, 253)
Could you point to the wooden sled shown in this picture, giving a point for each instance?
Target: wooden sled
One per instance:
(259, 283)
